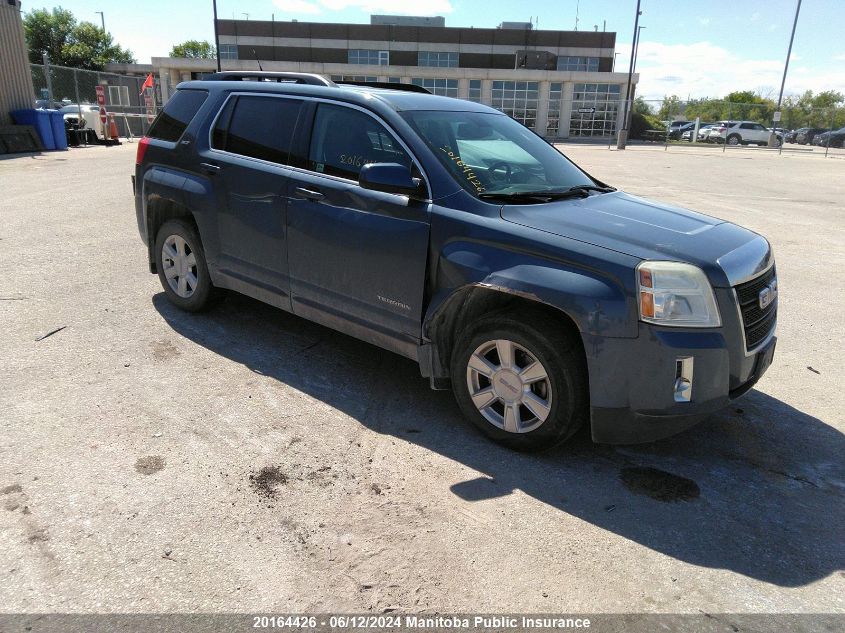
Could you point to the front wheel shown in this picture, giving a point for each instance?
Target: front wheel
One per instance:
(181, 266)
(521, 380)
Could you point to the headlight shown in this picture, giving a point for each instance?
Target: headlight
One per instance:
(676, 294)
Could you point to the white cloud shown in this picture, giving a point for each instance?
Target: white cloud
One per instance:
(298, 6)
(706, 70)
(755, 16)
(703, 21)
(840, 58)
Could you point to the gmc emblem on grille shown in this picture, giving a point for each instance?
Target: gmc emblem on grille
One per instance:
(768, 294)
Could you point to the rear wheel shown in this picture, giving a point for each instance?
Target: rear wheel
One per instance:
(182, 269)
(521, 380)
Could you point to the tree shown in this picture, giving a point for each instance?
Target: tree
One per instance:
(195, 49)
(641, 107)
(70, 43)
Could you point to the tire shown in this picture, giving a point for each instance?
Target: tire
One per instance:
(183, 264)
(550, 408)
(734, 140)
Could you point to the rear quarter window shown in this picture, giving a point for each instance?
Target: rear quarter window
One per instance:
(173, 120)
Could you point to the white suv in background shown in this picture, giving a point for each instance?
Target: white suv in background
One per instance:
(88, 123)
(743, 133)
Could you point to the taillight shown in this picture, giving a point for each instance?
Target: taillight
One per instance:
(142, 149)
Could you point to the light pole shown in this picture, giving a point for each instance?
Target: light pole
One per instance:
(637, 47)
(622, 138)
(773, 135)
(216, 35)
(102, 19)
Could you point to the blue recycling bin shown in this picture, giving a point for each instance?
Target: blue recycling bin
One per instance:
(57, 121)
(41, 121)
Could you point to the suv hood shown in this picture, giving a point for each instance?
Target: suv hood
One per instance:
(640, 228)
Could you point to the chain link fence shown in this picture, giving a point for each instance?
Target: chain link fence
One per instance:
(76, 87)
(727, 125)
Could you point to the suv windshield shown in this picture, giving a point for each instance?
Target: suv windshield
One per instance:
(492, 153)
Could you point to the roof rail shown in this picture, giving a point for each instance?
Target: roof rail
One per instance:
(263, 75)
(386, 85)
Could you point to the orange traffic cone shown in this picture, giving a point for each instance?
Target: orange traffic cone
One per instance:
(113, 129)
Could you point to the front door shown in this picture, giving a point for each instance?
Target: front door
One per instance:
(357, 257)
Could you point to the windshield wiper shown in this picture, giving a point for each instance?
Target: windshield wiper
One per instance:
(544, 196)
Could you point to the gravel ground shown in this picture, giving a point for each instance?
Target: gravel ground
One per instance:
(247, 460)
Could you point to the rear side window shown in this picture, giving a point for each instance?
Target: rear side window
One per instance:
(258, 127)
(177, 114)
(344, 140)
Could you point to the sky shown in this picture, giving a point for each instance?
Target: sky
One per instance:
(689, 48)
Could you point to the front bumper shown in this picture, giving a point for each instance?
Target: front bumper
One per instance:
(632, 381)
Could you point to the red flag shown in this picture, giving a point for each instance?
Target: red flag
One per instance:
(148, 83)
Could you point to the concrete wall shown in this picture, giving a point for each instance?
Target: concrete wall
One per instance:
(15, 79)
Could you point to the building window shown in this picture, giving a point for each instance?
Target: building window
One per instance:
(553, 125)
(342, 78)
(394, 80)
(442, 87)
(583, 64)
(437, 60)
(517, 99)
(368, 57)
(228, 51)
(595, 108)
(475, 90)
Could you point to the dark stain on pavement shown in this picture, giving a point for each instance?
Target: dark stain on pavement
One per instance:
(659, 484)
(266, 480)
(150, 464)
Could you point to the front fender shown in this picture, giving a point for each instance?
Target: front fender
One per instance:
(595, 299)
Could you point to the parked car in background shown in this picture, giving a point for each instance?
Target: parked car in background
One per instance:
(674, 129)
(703, 129)
(805, 135)
(789, 136)
(85, 120)
(744, 133)
(834, 138)
(45, 104)
(676, 132)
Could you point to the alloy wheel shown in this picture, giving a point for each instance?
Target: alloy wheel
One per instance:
(180, 266)
(509, 386)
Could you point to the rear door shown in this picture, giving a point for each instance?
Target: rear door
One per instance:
(357, 257)
(249, 166)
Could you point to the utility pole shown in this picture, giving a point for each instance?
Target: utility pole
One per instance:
(637, 47)
(102, 19)
(773, 135)
(622, 138)
(216, 35)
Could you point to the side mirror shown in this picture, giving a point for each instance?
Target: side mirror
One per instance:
(391, 178)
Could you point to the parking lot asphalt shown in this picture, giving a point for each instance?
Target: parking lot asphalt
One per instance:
(247, 460)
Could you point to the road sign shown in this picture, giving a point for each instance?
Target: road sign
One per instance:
(777, 117)
(586, 110)
(101, 101)
(150, 104)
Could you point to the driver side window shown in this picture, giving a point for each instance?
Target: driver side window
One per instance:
(344, 140)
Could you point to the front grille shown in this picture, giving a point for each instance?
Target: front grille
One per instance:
(757, 323)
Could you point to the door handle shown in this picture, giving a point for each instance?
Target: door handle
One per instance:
(308, 194)
(210, 167)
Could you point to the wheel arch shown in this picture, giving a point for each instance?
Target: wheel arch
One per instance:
(160, 209)
(579, 302)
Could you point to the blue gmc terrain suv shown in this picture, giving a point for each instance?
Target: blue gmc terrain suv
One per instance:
(445, 231)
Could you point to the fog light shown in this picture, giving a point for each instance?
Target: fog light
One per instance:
(683, 379)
